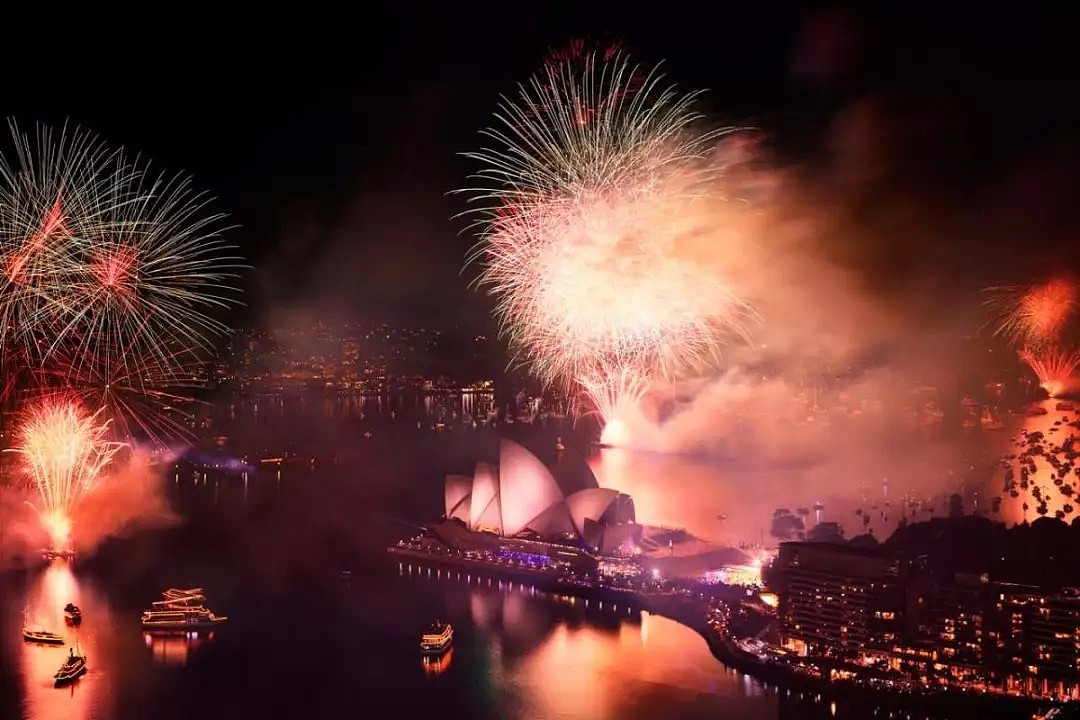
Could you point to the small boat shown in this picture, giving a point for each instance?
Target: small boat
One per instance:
(37, 635)
(72, 614)
(437, 639)
(1065, 405)
(72, 669)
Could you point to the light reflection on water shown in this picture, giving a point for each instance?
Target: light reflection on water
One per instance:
(45, 601)
(561, 657)
(174, 648)
(109, 641)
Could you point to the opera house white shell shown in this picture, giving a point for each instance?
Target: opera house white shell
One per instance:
(522, 494)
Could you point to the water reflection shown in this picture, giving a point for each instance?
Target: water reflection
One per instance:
(437, 665)
(45, 600)
(557, 656)
(1055, 427)
(174, 648)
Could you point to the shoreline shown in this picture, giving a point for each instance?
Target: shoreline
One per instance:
(692, 613)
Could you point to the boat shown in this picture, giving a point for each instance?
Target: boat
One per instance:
(72, 614)
(37, 635)
(192, 618)
(72, 669)
(991, 420)
(1065, 405)
(182, 609)
(180, 598)
(437, 639)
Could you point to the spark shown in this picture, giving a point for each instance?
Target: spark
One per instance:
(64, 451)
(1054, 367)
(113, 270)
(603, 241)
(1035, 315)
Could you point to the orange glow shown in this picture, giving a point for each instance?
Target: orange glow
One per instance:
(64, 451)
(45, 601)
(615, 433)
(438, 665)
(1055, 368)
(174, 648)
(587, 672)
(1044, 474)
(1047, 307)
(58, 525)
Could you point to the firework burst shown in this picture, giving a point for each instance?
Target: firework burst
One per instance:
(64, 451)
(113, 274)
(1054, 367)
(602, 240)
(1035, 315)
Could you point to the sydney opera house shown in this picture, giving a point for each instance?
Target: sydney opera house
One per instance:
(521, 505)
(522, 498)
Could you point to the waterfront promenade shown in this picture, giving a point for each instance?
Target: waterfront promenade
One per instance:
(719, 614)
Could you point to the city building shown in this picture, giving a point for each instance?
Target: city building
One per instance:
(851, 602)
(872, 608)
(1053, 645)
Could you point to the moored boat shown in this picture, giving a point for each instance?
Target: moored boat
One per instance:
(182, 609)
(72, 669)
(191, 618)
(37, 635)
(437, 639)
(72, 614)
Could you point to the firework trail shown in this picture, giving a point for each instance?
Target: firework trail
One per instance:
(64, 451)
(1035, 315)
(112, 275)
(1054, 367)
(601, 239)
(1037, 319)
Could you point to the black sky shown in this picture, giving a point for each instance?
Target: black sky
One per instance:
(334, 144)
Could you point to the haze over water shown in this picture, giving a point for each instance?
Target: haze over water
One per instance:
(303, 640)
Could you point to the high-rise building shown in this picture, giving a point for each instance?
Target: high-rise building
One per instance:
(852, 602)
(875, 608)
(1053, 645)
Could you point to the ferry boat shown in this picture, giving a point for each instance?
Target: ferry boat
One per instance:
(191, 618)
(72, 669)
(437, 639)
(72, 614)
(182, 609)
(178, 597)
(37, 635)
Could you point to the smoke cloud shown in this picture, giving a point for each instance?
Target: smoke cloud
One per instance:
(130, 499)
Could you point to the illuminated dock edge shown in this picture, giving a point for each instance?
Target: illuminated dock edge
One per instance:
(696, 613)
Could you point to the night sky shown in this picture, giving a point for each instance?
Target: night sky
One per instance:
(334, 146)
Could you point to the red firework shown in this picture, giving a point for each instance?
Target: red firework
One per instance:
(1055, 368)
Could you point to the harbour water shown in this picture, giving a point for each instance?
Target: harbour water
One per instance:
(322, 622)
